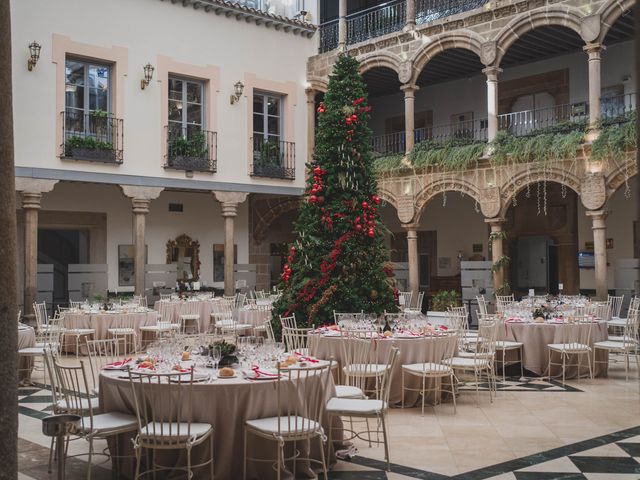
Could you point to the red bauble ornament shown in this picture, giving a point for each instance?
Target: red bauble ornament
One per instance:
(371, 233)
(354, 117)
(313, 199)
(365, 205)
(317, 170)
(358, 227)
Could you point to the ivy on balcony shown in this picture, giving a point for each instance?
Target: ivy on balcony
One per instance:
(616, 137)
(451, 155)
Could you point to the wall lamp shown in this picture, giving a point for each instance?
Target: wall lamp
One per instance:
(148, 75)
(34, 54)
(238, 88)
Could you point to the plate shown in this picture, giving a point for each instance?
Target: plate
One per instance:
(116, 367)
(197, 377)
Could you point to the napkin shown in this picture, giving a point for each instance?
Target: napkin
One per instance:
(302, 358)
(118, 364)
(259, 373)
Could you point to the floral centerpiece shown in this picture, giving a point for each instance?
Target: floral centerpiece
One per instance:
(227, 353)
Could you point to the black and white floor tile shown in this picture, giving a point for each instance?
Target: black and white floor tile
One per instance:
(524, 384)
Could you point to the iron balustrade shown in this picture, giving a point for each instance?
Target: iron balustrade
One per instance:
(273, 158)
(614, 108)
(535, 121)
(432, 10)
(389, 144)
(328, 32)
(192, 151)
(376, 21)
(468, 131)
(95, 136)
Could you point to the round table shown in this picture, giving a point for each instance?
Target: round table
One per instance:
(536, 336)
(414, 349)
(226, 404)
(101, 322)
(26, 339)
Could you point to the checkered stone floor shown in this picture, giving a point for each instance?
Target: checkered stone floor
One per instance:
(524, 384)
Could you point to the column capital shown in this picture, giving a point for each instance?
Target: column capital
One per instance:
(492, 73)
(141, 193)
(495, 223)
(311, 94)
(230, 201)
(410, 226)
(409, 89)
(34, 185)
(31, 200)
(597, 216)
(594, 50)
(141, 205)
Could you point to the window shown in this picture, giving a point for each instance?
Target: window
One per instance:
(87, 98)
(267, 117)
(186, 107)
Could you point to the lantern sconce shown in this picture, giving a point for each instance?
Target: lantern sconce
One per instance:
(238, 88)
(148, 75)
(34, 54)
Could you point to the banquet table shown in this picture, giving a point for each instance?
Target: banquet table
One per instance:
(244, 315)
(413, 349)
(26, 339)
(225, 404)
(102, 321)
(536, 336)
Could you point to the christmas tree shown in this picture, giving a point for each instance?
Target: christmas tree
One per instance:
(338, 261)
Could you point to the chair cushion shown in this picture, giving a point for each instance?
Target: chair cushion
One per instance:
(31, 351)
(190, 316)
(347, 391)
(355, 406)
(467, 362)
(463, 354)
(617, 322)
(508, 345)
(614, 345)
(569, 347)
(178, 431)
(122, 331)
(111, 422)
(237, 326)
(428, 368)
(79, 331)
(288, 425)
(362, 370)
(160, 327)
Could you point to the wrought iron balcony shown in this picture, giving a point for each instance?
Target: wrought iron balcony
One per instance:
(468, 131)
(432, 10)
(615, 108)
(536, 121)
(273, 159)
(390, 17)
(95, 136)
(389, 144)
(195, 151)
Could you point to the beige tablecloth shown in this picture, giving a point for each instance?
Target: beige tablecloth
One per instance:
(412, 350)
(535, 338)
(226, 404)
(26, 339)
(102, 322)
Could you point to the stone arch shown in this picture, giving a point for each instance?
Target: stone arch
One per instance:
(616, 177)
(465, 39)
(264, 219)
(319, 84)
(432, 189)
(564, 16)
(609, 12)
(387, 196)
(527, 177)
(380, 59)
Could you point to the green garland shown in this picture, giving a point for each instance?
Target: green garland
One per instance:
(538, 147)
(452, 155)
(615, 139)
(387, 163)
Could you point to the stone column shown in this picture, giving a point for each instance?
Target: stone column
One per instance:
(600, 251)
(229, 202)
(409, 117)
(594, 51)
(410, 22)
(492, 101)
(311, 122)
(342, 25)
(497, 250)
(141, 200)
(32, 191)
(414, 264)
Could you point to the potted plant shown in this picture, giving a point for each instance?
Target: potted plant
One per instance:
(227, 351)
(88, 148)
(267, 159)
(189, 153)
(439, 304)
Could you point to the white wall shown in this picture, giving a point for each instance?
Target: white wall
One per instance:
(201, 220)
(148, 29)
(469, 94)
(622, 213)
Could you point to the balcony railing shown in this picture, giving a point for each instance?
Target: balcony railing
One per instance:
(273, 159)
(390, 17)
(468, 131)
(432, 10)
(530, 122)
(614, 109)
(389, 144)
(377, 21)
(196, 151)
(95, 136)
